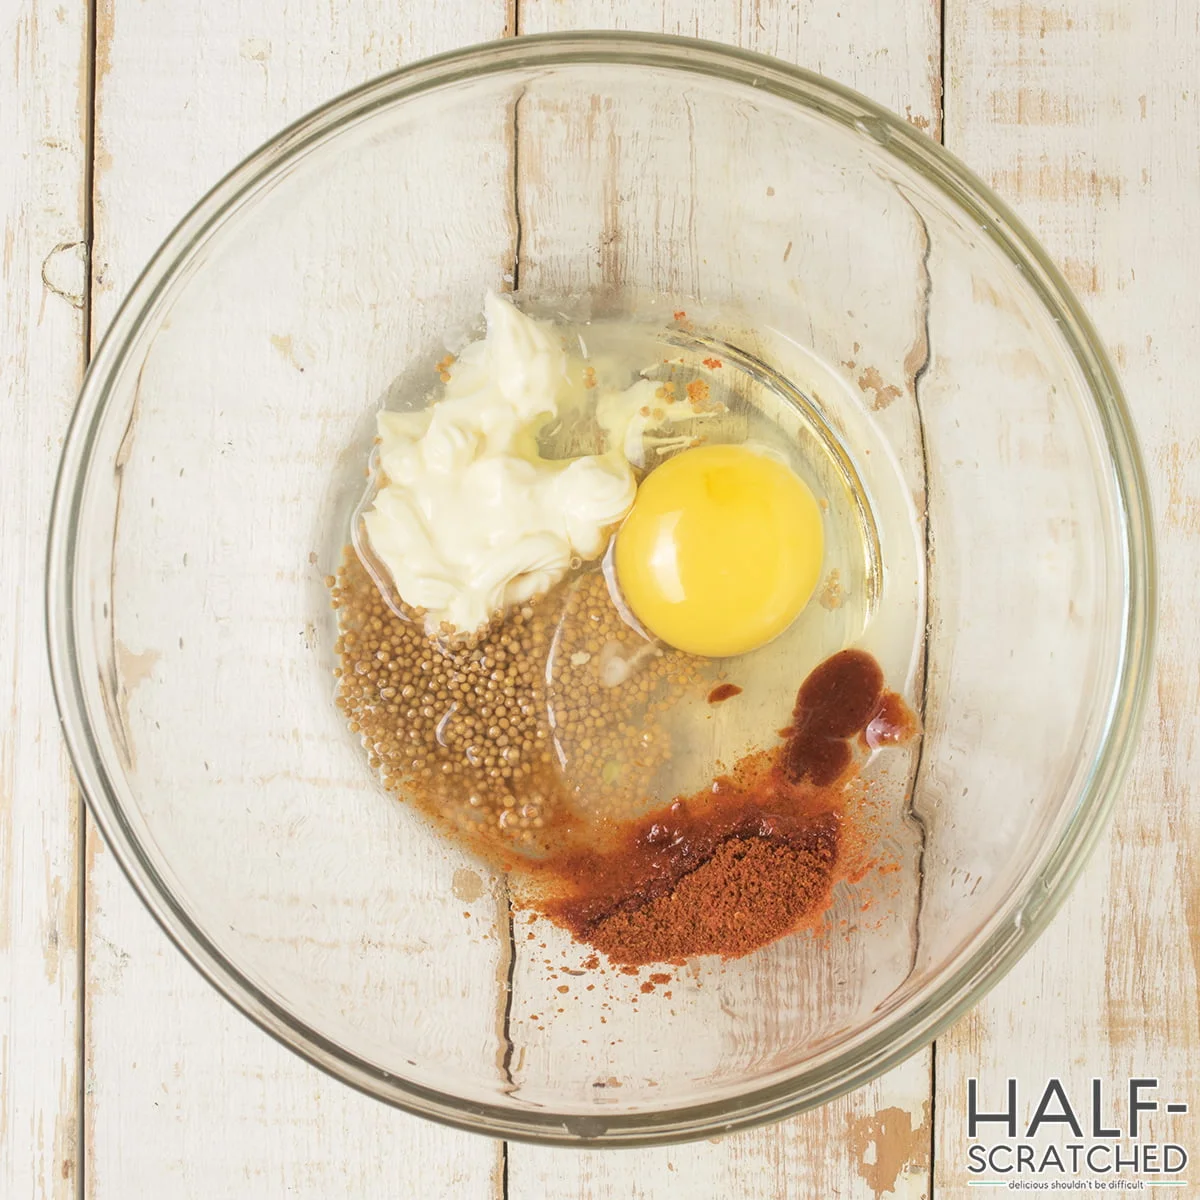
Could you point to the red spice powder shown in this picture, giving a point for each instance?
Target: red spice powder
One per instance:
(739, 864)
(748, 893)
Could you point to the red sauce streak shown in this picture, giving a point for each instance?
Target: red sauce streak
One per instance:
(837, 701)
(723, 691)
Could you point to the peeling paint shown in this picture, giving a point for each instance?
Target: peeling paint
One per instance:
(886, 1145)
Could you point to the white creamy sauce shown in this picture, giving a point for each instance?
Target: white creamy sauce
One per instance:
(470, 518)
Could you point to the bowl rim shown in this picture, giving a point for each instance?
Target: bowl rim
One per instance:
(1016, 927)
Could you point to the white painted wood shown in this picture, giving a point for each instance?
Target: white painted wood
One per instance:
(878, 1139)
(872, 1143)
(185, 1097)
(889, 52)
(43, 99)
(1084, 117)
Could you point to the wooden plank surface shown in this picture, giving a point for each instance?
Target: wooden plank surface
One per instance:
(43, 99)
(1084, 117)
(876, 1140)
(184, 1097)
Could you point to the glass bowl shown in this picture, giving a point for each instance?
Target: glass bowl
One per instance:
(217, 452)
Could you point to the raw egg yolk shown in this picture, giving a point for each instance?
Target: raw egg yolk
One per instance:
(720, 551)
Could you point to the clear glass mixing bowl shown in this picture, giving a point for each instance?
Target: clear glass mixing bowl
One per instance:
(219, 441)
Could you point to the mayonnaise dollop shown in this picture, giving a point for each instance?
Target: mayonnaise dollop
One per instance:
(470, 518)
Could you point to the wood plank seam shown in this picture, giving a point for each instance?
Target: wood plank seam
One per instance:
(912, 813)
(512, 29)
(941, 139)
(42, 82)
(81, 865)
